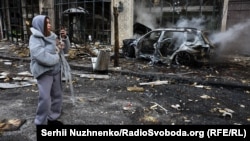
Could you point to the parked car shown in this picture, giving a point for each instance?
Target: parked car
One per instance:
(179, 46)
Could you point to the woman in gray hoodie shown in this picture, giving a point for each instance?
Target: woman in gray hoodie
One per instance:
(45, 66)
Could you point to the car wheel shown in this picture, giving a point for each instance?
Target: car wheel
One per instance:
(183, 58)
(129, 51)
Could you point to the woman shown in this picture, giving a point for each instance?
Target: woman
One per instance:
(46, 68)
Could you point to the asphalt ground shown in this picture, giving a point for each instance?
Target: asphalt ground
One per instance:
(105, 102)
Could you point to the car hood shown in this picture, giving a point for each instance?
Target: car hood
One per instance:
(141, 29)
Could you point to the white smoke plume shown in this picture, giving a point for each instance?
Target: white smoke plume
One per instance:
(234, 40)
(193, 23)
(149, 18)
(145, 17)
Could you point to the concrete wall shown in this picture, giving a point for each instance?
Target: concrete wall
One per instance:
(48, 6)
(125, 20)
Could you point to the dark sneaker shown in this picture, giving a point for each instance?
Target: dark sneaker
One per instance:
(54, 122)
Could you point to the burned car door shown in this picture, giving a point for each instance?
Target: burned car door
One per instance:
(147, 44)
(167, 44)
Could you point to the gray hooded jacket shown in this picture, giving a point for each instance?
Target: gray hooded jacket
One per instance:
(44, 58)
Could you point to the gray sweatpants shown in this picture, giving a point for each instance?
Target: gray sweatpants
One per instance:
(50, 98)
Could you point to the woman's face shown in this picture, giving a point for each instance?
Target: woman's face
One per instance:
(48, 24)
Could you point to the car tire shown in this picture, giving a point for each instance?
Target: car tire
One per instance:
(183, 58)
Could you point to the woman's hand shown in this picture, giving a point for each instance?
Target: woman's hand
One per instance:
(59, 45)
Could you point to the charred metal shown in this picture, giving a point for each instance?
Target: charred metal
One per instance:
(171, 46)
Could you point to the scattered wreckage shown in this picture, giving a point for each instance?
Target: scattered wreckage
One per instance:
(172, 46)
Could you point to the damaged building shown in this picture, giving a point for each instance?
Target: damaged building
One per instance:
(93, 20)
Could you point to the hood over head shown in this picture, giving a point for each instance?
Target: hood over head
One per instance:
(38, 23)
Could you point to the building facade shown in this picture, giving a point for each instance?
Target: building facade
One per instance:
(93, 20)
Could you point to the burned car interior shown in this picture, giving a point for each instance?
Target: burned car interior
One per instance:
(171, 46)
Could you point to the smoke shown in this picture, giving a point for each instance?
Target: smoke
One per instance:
(193, 23)
(234, 40)
(149, 17)
(144, 16)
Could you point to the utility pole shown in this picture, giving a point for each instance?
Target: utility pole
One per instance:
(116, 50)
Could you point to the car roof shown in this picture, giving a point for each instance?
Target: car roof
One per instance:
(181, 29)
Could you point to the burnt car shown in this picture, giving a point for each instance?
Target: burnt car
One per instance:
(179, 46)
